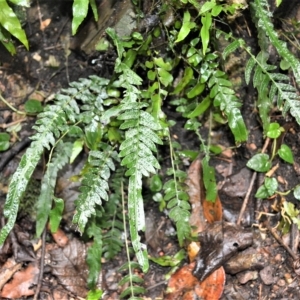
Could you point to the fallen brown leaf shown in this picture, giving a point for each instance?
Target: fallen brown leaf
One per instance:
(7, 271)
(22, 283)
(59, 237)
(70, 268)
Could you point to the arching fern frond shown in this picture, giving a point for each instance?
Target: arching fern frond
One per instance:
(271, 85)
(285, 92)
(264, 16)
(55, 121)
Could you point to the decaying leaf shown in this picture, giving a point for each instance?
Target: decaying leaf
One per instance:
(60, 237)
(181, 282)
(22, 284)
(7, 271)
(70, 267)
(196, 193)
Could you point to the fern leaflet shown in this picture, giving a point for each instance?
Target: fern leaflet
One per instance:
(44, 202)
(94, 185)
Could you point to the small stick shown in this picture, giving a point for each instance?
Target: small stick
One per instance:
(41, 274)
(246, 199)
(279, 240)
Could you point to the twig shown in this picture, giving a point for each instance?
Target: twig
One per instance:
(11, 107)
(41, 274)
(246, 199)
(279, 240)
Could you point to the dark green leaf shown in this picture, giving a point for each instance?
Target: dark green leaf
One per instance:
(262, 192)
(4, 141)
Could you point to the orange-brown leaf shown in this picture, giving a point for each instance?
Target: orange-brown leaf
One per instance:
(21, 284)
(212, 210)
(212, 287)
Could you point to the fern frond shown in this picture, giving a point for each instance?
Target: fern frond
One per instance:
(94, 254)
(44, 202)
(224, 97)
(232, 47)
(269, 86)
(132, 280)
(136, 153)
(94, 185)
(264, 16)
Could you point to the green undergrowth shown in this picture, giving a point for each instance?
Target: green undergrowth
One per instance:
(120, 123)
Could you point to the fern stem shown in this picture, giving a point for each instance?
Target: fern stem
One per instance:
(11, 107)
(126, 240)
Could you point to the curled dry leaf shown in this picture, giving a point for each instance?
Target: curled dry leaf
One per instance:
(7, 270)
(69, 266)
(22, 283)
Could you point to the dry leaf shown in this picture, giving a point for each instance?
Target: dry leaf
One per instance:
(22, 283)
(7, 271)
(44, 24)
(196, 193)
(70, 267)
(59, 237)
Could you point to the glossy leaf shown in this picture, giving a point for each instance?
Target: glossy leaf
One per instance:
(286, 153)
(80, 10)
(11, 23)
(274, 130)
(259, 163)
(271, 185)
(296, 192)
(206, 21)
(186, 27)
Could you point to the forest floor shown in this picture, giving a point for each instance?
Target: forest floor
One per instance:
(47, 67)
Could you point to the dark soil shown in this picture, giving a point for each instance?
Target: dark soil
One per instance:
(30, 71)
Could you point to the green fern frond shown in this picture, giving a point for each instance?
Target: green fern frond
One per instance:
(284, 93)
(224, 97)
(271, 85)
(94, 185)
(264, 16)
(232, 47)
(136, 153)
(44, 202)
(94, 253)
(132, 280)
